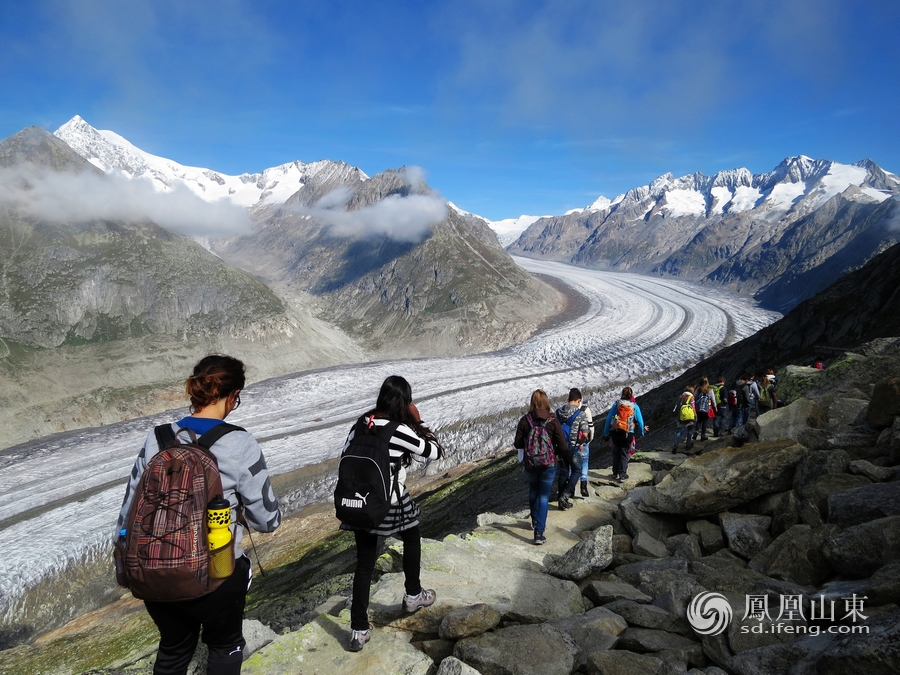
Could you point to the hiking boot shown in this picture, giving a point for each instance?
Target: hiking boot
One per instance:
(564, 503)
(584, 489)
(539, 539)
(624, 476)
(675, 449)
(358, 638)
(413, 603)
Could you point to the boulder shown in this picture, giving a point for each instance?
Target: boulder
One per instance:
(649, 616)
(818, 492)
(842, 413)
(876, 474)
(863, 504)
(644, 640)
(718, 574)
(859, 443)
(874, 653)
(453, 666)
(818, 463)
(519, 650)
(621, 662)
(602, 592)
(791, 420)
(884, 407)
(468, 621)
(721, 479)
(591, 554)
(797, 556)
(685, 546)
(323, 643)
(636, 520)
(709, 534)
(596, 629)
(861, 550)
(747, 534)
(784, 508)
(644, 544)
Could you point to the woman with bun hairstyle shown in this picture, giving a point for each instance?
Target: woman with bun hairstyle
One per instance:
(411, 437)
(214, 389)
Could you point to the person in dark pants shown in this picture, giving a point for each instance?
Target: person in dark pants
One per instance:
(623, 422)
(411, 436)
(214, 389)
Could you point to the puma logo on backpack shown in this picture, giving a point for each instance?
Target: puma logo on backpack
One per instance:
(165, 553)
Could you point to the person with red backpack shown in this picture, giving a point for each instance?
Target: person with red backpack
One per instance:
(540, 440)
(235, 462)
(623, 422)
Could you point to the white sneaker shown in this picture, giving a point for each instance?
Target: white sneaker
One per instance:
(358, 638)
(413, 603)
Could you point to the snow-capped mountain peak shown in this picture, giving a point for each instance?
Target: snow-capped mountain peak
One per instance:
(114, 154)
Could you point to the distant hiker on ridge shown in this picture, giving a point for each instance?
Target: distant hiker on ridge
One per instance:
(578, 427)
(540, 440)
(623, 422)
(686, 412)
(394, 413)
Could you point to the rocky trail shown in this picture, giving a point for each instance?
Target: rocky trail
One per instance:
(780, 555)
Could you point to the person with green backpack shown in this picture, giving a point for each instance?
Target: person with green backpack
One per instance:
(720, 392)
(686, 410)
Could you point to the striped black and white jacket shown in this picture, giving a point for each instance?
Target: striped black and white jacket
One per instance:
(403, 441)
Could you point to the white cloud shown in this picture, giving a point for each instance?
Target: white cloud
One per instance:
(77, 197)
(401, 218)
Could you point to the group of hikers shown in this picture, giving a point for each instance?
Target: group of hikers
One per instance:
(554, 447)
(702, 407)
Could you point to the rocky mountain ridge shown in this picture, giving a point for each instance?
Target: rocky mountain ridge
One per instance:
(780, 236)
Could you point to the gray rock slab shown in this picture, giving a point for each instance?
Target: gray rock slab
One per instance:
(710, 535)
(861, 504)
(590, 555)
(453, 666)
(645, 544)
(644, 640)
(876, 474)
(540, 649)
(875, 653)
(719, 480)
(797, 556)
(321, 647)
(885, 404)
(860, 550)
(791, 420)
(842, 413)
(468, 621)
(495, 566)
(602, 592)
(622, 662)
(596, 629)
(649, 616)
(747, 534)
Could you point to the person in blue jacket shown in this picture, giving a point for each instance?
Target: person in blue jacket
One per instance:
(623, 422)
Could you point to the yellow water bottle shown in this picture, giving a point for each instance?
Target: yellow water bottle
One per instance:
(221, 555)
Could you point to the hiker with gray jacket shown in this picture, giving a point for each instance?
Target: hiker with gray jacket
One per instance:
(581, 433)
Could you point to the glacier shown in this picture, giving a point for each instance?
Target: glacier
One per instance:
(59, 496)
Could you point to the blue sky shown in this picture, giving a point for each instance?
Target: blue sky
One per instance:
(510, 106)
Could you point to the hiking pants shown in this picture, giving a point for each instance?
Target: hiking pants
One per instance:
(585, 452)
(220, 613)
(700, 428)
(540, 482)
(621, 450)
(568, 475)
(366, 555)
(682, 430)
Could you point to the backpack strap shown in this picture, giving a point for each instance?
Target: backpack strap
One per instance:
(166, 438)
